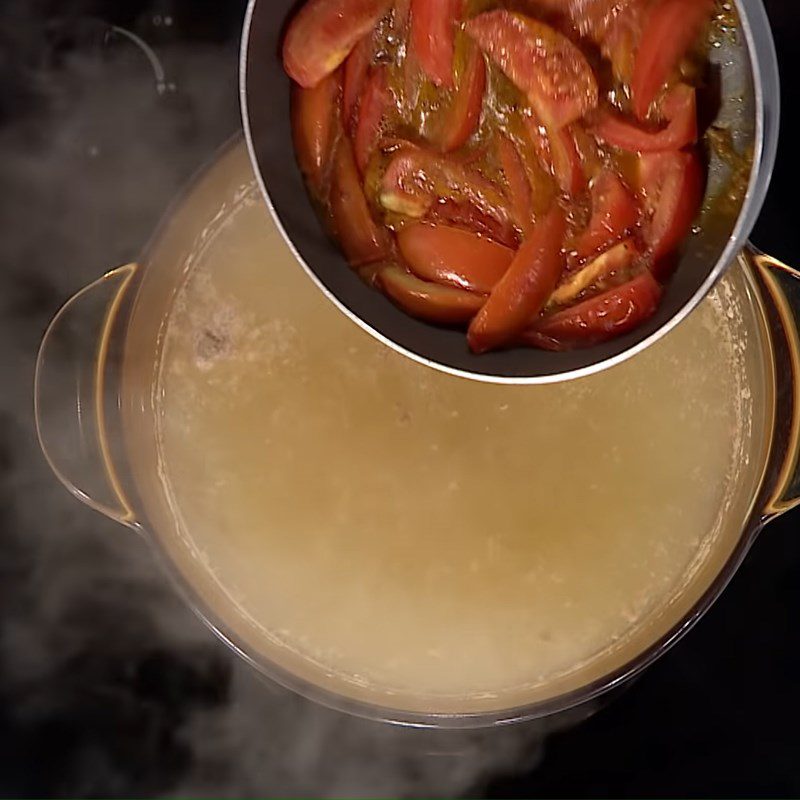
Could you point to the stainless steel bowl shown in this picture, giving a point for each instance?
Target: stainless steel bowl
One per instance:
(746, 90)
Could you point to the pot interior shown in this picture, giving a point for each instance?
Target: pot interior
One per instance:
(394, 540)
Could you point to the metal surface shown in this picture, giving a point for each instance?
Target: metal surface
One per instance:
(744, 78)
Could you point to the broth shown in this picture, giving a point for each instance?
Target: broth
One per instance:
(415, 533)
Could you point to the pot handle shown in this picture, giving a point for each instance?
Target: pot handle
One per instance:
(72, 395)
(781, 286)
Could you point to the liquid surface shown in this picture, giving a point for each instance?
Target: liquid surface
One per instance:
(416, 532)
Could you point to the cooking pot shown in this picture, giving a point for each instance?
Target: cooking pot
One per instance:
(97, 396)
(742, 89)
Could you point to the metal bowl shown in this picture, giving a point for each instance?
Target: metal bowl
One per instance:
(745, 90)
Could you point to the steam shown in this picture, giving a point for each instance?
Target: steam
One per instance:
(107, 681)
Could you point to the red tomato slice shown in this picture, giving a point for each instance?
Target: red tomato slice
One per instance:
(402, 11)
(416, 179)
(672, 187)
(356, 69)
(614, 313)
(614, 215)
(362, 240)
(433, 34)
(468, 217)
(546, 66)
(460, 120)
(524, 289)
(621, 39)
(322, 34)
(679, 110)
(375, 102)
(671, 27)
(519, 188)
(566, 160)
(453, 256)
(442, 305)
(313, 127)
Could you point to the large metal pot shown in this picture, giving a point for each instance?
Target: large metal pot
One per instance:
(97, 402)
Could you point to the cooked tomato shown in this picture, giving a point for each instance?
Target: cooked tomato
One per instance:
(453, 256)
(615, 261)
(460, 119)
(671, 28)
(621, 39)
(524, 289)
(314, 125)
(375, 103)
(433, 31)
(442, 305)
(614, 313)
(417, 178)
(614, 215)
(402, 11)
(464, 215)
(672, 188)
(356, 69)
(551, 71)
(679, 111)
(567, 165)
(322, 34)
(362, 240)
(518, 185)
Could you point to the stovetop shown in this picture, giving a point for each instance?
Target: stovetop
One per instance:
(108, 685)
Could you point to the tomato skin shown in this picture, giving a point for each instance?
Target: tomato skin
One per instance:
(519, 187)
(442, 305)
(551, 71)
(680, 113)
(433, 34)
(356, 69)
(322, 34)
(672, 187)
(615, 214)
(362, 240)
(416, 179)
(670, 29)
(611, 314)
(314, 114)
(375, 102)
(461, 119)
(454, 256)
(524, 289)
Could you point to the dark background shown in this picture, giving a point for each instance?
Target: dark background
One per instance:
(108, 687)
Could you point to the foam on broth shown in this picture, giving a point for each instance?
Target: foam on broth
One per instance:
(418, 533)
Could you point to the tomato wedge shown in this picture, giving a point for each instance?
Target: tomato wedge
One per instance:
(524, 289)
(433, 32)
(566, 162)
(460, 120)
(519, 187)
(614, 215)
(619, 258)
(671, 28)
(453, 256)
(417, 178)
(680, 113)
(611, 314)
(375, 102)
(356, 69)
(546, 66)
(431, 302)
(313, 127)
(672, 187)
(363, 241)
(322, 34)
